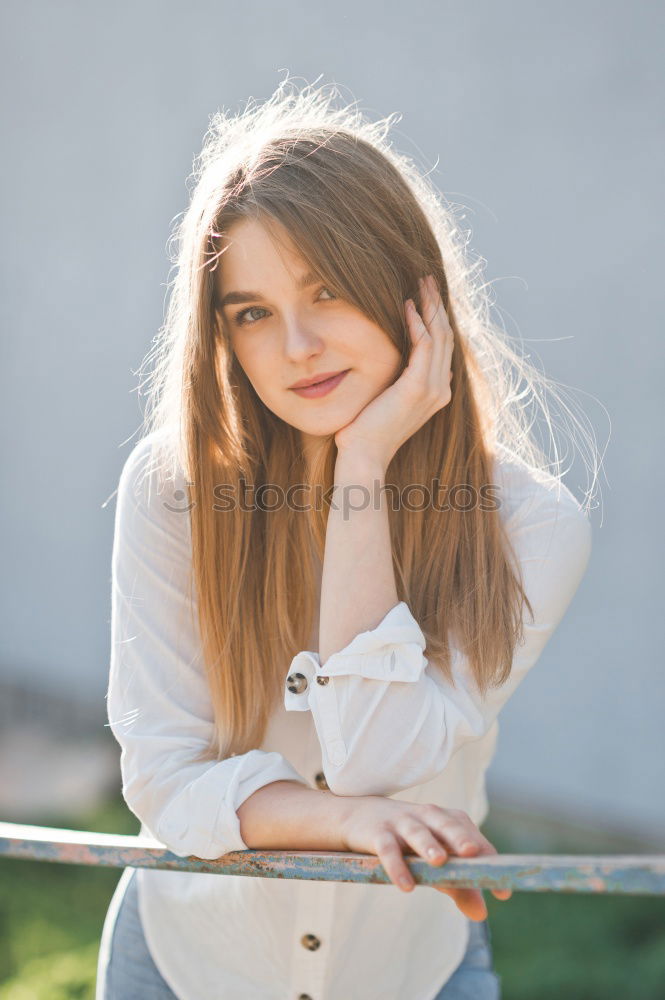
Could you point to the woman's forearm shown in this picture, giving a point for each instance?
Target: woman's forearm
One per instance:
(285, 815)
(358, 580)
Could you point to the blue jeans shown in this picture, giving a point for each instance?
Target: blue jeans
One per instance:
(126, 971)
(475, 977)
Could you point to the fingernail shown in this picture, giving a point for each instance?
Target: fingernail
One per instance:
(434, 852)
(405, 882)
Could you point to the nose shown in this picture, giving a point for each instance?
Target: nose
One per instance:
(301, 341)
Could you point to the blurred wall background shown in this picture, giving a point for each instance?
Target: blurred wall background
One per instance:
(542, 119)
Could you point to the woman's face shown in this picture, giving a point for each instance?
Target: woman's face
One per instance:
(286, 326)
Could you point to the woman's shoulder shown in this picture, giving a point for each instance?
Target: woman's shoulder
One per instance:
(524, 490)
(152, 481)
(153, 462)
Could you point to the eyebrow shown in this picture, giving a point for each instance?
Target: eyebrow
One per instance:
(236, 298)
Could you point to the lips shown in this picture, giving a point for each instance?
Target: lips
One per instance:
(318, 389)
(305, 382)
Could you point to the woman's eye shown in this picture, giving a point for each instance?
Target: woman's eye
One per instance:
(240, 316)
(242, 321)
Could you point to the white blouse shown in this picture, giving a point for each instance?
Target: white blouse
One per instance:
(385, 723)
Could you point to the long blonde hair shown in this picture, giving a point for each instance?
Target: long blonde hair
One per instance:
(369, 223)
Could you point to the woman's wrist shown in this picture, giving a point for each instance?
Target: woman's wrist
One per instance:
(358, 468)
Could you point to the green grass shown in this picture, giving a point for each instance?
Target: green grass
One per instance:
(579, 946)
(547, 946)
(51, 916)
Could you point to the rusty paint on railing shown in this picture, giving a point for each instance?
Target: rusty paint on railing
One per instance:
(604, 873)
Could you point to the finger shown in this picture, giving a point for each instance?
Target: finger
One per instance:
(436, 319)
(430, 368)
(489, 848)
(465, 839)
(434, 312)
(482, 846)
(420, 360)
(476, 836)
(427, 303)
(441, 331)
(459, 832)
(418, 836)
(428, 316)
(390, 855)
(469, 901)
(415, 324)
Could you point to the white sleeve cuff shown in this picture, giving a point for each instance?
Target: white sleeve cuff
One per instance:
(202, 820)
(393, 651)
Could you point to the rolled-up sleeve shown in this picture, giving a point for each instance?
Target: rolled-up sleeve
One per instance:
(386, 718)
(158, 702)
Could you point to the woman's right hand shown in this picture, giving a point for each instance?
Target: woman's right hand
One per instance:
(374, 824)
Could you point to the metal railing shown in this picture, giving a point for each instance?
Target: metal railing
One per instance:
(628, 874)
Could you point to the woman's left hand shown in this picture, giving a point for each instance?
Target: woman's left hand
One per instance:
(422, 389)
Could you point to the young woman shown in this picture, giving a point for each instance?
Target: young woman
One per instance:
(323, 595)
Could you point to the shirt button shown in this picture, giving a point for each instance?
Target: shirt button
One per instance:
(310, 941)
(296, 683)
(322, 680)
(320, 780)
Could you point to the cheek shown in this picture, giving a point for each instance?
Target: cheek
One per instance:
(361, 338)
(387, 357)
(262, 373)
(249, 361)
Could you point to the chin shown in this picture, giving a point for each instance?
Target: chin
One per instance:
(318, 432)
(325, 425)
